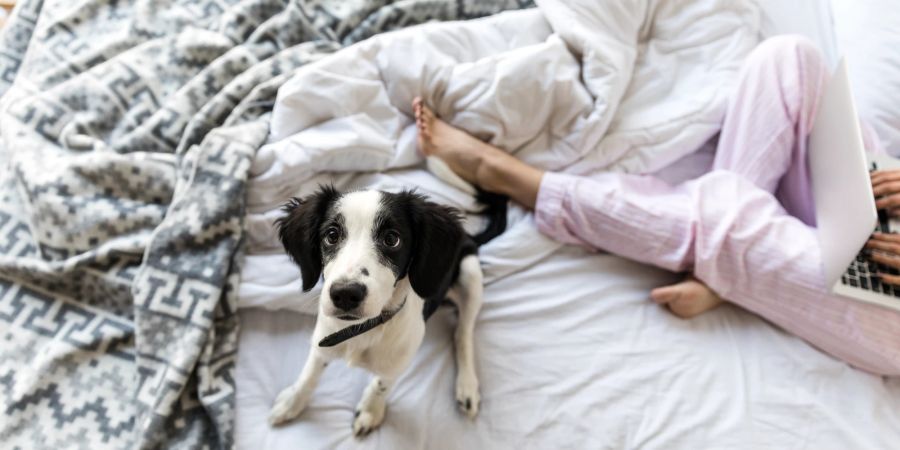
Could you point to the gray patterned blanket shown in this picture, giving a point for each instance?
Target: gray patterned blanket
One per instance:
(127, 129)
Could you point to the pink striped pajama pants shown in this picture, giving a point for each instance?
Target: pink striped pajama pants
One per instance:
(745, 228)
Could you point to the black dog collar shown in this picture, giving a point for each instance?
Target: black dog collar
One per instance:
(355, 330)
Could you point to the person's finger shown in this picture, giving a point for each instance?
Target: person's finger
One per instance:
(887, 237)
(880, 176)
(886, 187)
(886, 259)
(890, 201)
(883, 246)
(889, 279)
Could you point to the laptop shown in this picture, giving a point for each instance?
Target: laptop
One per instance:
(845, 206)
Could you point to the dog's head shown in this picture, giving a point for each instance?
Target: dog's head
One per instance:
(364, 243)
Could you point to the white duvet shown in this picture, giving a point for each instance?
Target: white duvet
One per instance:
(570, 351)
(575, 86)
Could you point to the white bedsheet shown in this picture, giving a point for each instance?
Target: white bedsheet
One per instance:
(571, 353)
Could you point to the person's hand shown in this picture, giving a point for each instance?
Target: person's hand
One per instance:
(886, 187)
(886, 250)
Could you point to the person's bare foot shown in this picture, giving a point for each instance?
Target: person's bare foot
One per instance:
(686, 299)
(464, 154)
(476, 162)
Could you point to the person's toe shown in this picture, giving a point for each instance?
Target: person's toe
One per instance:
(427, 127)
(417, 108)
(427, 113)
(421, 124)
(665, 294)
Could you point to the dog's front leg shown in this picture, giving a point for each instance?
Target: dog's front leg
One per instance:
(471, 284)
(292, 401)
(370, 410)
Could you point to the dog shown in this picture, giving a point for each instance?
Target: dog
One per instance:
(387, 260)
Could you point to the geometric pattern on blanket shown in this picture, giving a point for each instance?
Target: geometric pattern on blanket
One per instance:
(128, 129)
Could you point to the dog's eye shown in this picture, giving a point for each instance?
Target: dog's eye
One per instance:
(391, 239)
(332, 235)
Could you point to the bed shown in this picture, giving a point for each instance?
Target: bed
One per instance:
(145, 148)
(571, 354)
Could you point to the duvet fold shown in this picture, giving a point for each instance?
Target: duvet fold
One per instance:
(572, 86)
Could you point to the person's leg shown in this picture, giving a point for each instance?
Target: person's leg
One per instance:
(737, 239)
(735, 236)
(776, 93)
(764, 133)
(732, 233)
(475, 161)
(494, 170)
(763, 138)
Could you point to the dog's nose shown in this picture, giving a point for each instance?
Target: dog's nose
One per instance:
(347, 296)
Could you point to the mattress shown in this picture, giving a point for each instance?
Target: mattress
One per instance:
(572, 354)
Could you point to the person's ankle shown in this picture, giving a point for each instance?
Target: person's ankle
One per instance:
(489, 175)
(504, 174)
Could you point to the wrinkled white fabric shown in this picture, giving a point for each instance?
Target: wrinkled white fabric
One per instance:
(571, 354)
(573, 86)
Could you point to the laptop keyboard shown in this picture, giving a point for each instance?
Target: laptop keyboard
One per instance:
(862, 271)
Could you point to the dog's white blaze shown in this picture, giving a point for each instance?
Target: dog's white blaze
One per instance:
(358, 252)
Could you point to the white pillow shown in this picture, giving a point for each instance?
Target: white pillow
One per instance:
(868, 35)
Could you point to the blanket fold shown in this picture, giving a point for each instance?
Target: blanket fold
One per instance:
(127, 134)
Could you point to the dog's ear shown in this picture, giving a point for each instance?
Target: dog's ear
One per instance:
(299, 230)
(438, 240)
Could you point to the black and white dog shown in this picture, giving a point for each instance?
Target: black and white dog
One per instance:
(388, 261)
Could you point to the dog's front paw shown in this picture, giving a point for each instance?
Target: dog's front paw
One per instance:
(467, 397)
(287, 406)
(367, 419)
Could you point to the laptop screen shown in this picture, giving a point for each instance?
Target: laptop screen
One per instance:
(845, 205)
